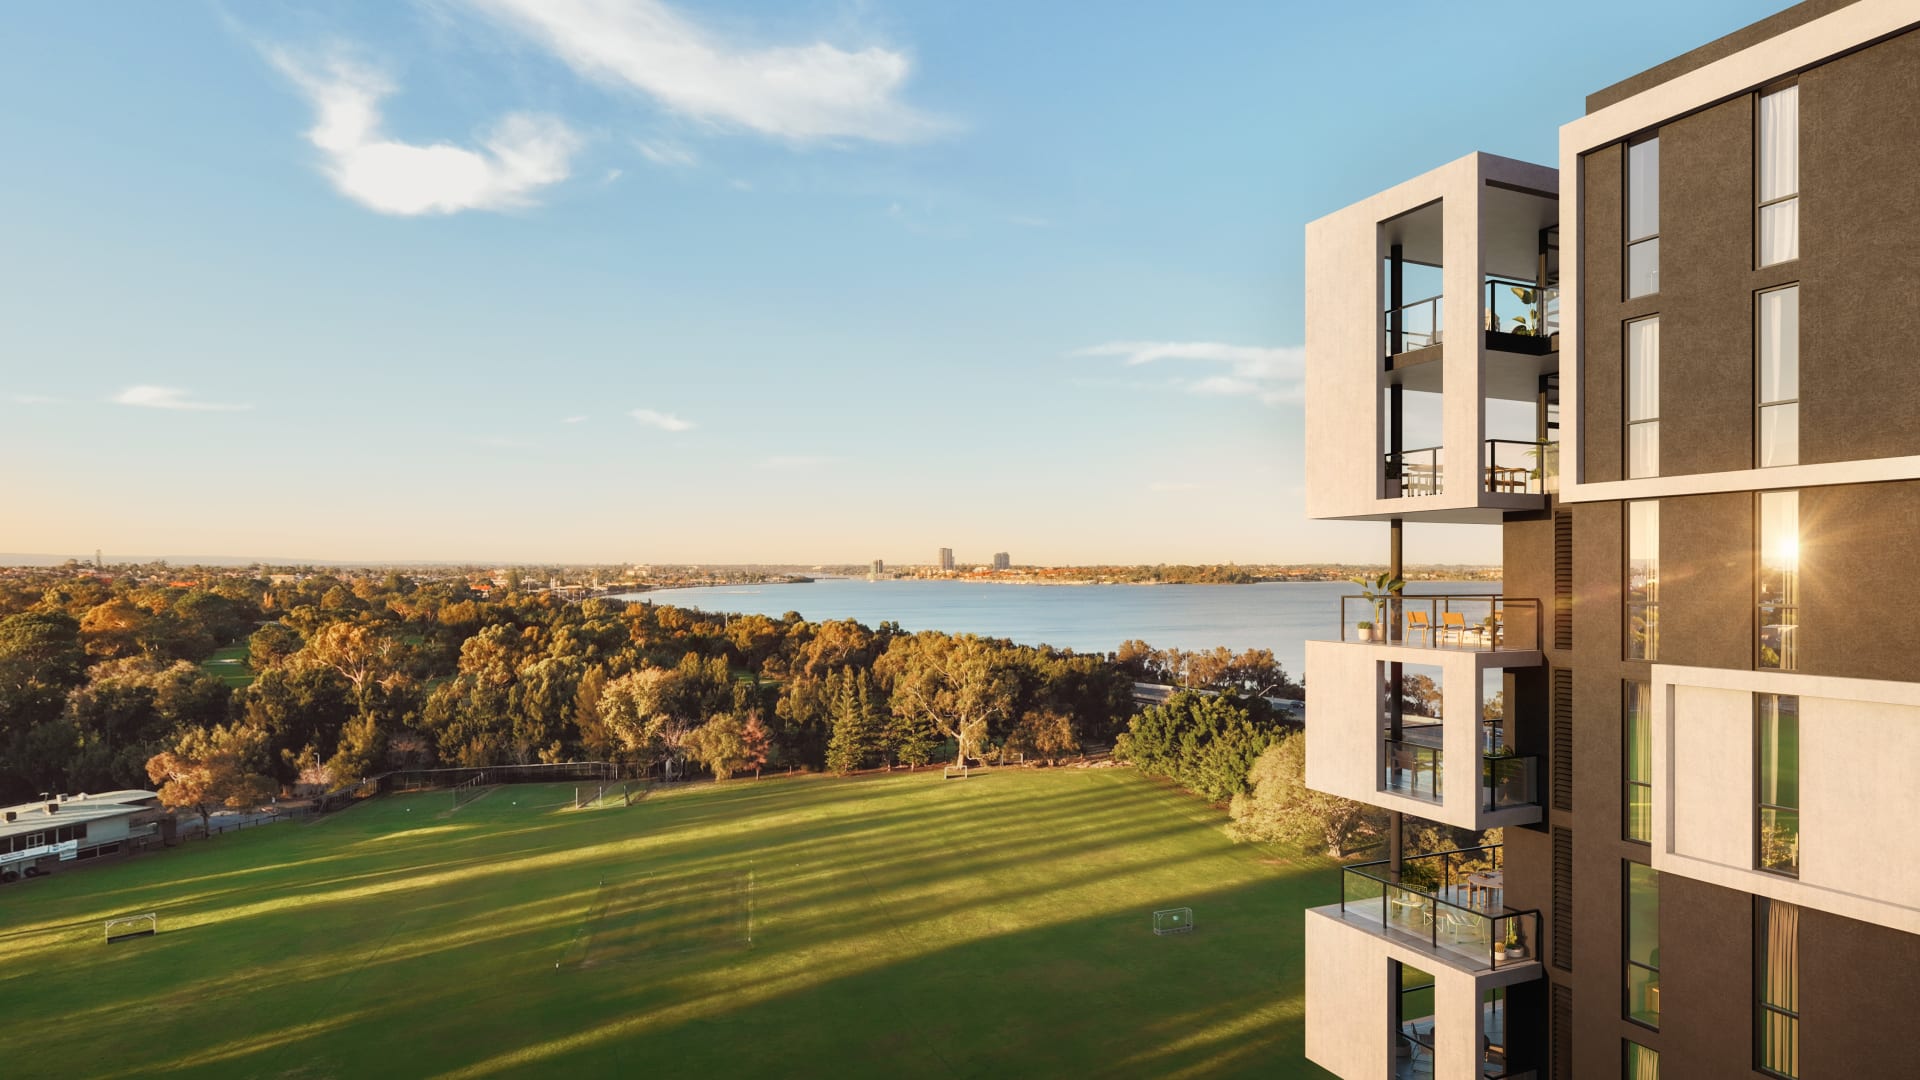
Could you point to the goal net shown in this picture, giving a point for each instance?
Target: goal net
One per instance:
(132, 926)
(1173, 921)
(467, 790)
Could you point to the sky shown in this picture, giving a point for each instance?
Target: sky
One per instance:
(799, 282)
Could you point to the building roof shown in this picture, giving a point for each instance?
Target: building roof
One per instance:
(72, 809)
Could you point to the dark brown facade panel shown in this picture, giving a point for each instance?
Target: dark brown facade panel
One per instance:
(1705, 299)
(1598, 573)
(1706, 979)
(1601, 232)
(1859, 544)
(1707, 600)
(1859, 263)
(1717, 49)
(1858, 987)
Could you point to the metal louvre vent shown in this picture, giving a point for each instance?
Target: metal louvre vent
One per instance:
(1563, 579)
(1563, 740)
(1562, 1032)
(1563, 899)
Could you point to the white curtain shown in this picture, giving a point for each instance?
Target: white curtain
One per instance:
(1780, 144)
(1780, 345)
(1781, 1034)
(1643, 369)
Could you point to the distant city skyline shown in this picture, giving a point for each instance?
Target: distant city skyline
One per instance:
(495, 281)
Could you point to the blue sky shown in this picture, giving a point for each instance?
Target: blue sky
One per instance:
(570, 280)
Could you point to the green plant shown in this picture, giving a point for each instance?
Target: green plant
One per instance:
(1527, 324)
(1377, 589)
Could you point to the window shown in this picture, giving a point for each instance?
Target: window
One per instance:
(1639, 761)
(1779, 636)
(1641, 1063)
(1778, 721)
(1776, 987)
(1643, 217)
(1778, 387)
(1643, 580)
(1643, 944)
(1643, 398)
(1779, 187)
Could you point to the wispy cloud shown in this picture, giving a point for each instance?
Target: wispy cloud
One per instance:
(170, 397)
(801, 93)
(663, 421)
(795, 462)
(1270, 374)
(519, 155)
(672, 155)
(574, 420)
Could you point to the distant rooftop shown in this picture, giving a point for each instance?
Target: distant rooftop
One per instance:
(71, 809)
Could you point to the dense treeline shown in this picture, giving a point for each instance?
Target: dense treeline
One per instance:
(354, 676)
(1206, 743)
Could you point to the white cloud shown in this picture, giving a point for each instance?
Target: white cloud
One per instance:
(170, 397)
(663, 421)
(798, 92)
(1270, 374)
(611, 176)
(574, 420)
(519, 155)
(669, 154)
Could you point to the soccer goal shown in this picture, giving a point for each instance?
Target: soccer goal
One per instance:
(584, 797)
(1173, 921)
(955, 772)
(132, 926)
(466, 791)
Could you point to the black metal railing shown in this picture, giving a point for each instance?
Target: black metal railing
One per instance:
(1415, 473)
(1520, 466)
(1447, 620)
(1420, 324)
(1522, 308)
(1448, 899)
(1509, 781)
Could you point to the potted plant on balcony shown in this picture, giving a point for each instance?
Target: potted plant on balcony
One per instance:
(1515, 949)
(1377, 590)
(1366, 629)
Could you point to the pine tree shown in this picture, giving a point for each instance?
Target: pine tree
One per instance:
(853, 734)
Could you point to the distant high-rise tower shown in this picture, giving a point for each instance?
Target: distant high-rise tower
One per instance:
(946, 558)
(1002, 561)
(879, 567)
(97, 564)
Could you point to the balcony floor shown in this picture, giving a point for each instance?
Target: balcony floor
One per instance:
(1463, 950)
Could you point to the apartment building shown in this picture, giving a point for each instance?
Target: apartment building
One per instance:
(1675, 371)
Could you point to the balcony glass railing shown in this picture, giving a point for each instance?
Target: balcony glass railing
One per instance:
(1522, 308)
(1415, 473)
(1445, 621)
(1509, 781)
(1448, 901)
(1419, 325)
(1520, 467)
(1413, 764)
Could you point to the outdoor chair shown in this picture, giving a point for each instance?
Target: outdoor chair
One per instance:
(1417, 623)
(1453, 626)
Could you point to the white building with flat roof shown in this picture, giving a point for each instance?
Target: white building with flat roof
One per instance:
(62, 828)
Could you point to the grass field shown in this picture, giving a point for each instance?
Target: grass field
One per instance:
(229, 664)
(887, 926)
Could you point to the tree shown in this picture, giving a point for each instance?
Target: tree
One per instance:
(210, 768)
(358, 653)
(757, 742)
(1204, 742)
(955, 683)
(271, 644)
(855, 732)
(1281, 807)
(721, 745)
(1044, 734)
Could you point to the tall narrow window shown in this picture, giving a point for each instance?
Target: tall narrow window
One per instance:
(1778, 388)
(1779, 187)
(1778, 718)
(1639, 762)
(1643, 944)
(1642, 1063)
(1643, 580)
(1643, 217)
(1779, 580)
(1776, 970)
(1643, 398)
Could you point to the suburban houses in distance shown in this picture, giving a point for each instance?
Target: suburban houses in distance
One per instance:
(1662, 367)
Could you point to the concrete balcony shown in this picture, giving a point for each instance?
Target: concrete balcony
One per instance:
(1444, 761)
(1410, 974)
(1385, 372)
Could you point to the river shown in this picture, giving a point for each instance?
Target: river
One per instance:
(1279, 616)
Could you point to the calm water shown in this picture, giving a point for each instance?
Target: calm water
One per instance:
(1084, 618)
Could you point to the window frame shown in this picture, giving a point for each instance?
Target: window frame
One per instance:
(1628, 241)
(1651, 649)
(1760, 604)
(1762, 1007)
(1760, 205)
(1760, 404)
(1627, 962)
(1627, 1047)
(1760, 807)
(1628, 423)
(1628, 688)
